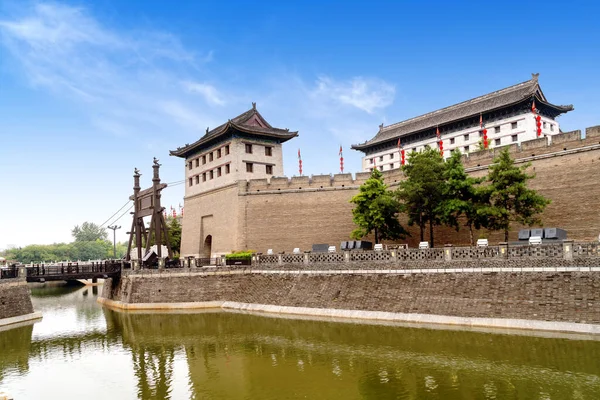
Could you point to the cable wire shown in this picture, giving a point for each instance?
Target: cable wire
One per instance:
(109, 218)
(121, 216)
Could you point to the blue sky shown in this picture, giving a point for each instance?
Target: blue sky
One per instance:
(90, 90)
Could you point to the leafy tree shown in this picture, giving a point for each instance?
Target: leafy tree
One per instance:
(511, 200)
(376, 211)
(89, 232)
(423, 191)
(174, 229)
(463, 197)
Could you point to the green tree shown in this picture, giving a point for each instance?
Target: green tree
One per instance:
(423, 190)
(89, 232)
(511, 200)
(463, 198)
(376, 211)
(174, 229)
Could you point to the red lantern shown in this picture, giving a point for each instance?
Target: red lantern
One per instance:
(441, 148)
(485, 139)
(538, 123)
(402, 155)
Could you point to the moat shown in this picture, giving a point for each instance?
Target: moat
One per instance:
(82, 350)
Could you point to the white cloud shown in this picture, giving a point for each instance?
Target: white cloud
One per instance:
(365, 94)
(209, 92)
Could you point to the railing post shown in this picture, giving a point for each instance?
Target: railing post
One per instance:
(22, 272)
(568, 249)
(503, 249)
(279, 259)
(447, 252)
(306, 258)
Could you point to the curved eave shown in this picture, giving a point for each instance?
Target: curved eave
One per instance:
(559, 109)
(185, 151)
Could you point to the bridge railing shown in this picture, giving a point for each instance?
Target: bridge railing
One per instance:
(73, 268)
(9, 272)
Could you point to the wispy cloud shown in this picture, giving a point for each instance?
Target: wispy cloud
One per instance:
(66, 50)
(365, 94)
(146, 83)
(210, 93)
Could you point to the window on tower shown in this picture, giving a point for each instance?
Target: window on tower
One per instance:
(210, 156)
(227, 168)
(269, 169)
(249, 167)
(248, 148)
(513, 125)
(268, 151)
(227, 150)
(497, 129)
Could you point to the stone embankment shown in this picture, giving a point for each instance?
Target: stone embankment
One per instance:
(15, 302)
(550, 287)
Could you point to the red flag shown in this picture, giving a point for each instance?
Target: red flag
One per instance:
(480, 120)
(341, 161)
(299, 163)
(533, 109)
(437, 132)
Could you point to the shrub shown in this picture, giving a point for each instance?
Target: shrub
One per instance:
(240, 255)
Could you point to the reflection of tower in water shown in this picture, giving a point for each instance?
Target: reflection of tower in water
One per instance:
(153, 368)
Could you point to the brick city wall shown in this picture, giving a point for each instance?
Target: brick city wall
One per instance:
(15, 298)
(571, 296)
(284, 213)
(298, 212)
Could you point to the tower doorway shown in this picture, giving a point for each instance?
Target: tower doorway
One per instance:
(207, 248)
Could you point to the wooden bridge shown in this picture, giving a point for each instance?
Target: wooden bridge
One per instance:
(66, 271)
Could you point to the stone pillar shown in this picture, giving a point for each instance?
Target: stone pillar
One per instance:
(22, 273)
(503, 249)
(306, 258)
(447, 252)
(135, 265)
(568, 249)
(347, 256)
(161, 263)
(394, 255)
(279, 259)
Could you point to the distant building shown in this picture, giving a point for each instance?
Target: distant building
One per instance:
(245, 147)
(506, 115)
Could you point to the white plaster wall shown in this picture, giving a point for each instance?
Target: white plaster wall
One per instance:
(525, 131)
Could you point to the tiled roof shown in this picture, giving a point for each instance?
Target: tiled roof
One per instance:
(491, 101)
(240, 123)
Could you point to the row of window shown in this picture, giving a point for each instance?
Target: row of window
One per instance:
(268, 168)
(268, 149)
(223, 151)
(497, 142)
(215, 173)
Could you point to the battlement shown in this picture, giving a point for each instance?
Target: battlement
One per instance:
(315, 182)
(542, 146)
(531, 148)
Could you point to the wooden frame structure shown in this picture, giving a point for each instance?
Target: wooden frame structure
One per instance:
(147, 203)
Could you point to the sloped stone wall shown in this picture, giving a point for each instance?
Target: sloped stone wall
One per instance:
(15, 298)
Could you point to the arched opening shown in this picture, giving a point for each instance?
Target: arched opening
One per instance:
(207, 248)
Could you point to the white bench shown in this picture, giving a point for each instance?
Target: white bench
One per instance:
(534, 240)
(423, 245)
(378, 247)
(270, 252)
(331, 249)
(482, 243)
(296, 250)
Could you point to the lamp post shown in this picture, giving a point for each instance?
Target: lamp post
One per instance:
(114, 229)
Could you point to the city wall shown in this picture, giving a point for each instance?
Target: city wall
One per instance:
(286, 213)
(15, 302)
(554, 287)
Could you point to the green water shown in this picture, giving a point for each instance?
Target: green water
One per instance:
(83, 351)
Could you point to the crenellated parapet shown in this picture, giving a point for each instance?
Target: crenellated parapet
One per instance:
(314, 182)
(544, 146)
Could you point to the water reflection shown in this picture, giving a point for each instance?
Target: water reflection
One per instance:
(239, 356)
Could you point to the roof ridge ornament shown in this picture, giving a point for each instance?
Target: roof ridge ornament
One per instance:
(254, 106)
(535, 76)
(380, 127)
(207, 129)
